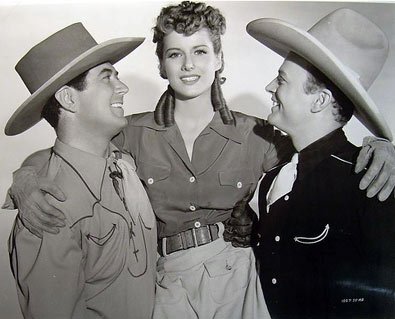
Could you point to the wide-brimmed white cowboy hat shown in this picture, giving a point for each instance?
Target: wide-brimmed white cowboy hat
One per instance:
(344, 45)
(57, 60)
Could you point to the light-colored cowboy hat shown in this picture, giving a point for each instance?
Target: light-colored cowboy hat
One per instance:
(57, 60)
(347, 47)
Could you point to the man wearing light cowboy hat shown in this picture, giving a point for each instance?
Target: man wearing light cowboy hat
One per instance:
(102, 264)
(325, 250)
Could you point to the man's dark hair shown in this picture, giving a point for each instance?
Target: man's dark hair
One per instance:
(343, 108)
(51, 110)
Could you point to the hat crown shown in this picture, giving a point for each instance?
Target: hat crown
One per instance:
(51, 55)
(345, 46)
(357, 42)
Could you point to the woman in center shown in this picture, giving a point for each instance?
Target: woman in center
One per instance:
(198, 159)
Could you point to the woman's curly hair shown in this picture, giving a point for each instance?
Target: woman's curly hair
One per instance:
(187, 18)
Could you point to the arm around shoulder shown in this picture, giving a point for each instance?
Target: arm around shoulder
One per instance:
(37, 159)
(27, 194)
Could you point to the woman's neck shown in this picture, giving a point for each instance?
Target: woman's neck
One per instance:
(195, 109)
(192, 116)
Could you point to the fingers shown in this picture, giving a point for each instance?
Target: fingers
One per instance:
(35, 231)
(242, 242)
(38, 228)
(34, 213)
(44, 211)
(387, 189)
(50, 188)
(363, 158)
(377, 184)
(373, 171)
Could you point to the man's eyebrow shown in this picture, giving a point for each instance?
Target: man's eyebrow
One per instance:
(282, 73)
(108, 70)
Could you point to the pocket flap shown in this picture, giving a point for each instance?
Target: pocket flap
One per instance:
(151, 173)
(236, 176)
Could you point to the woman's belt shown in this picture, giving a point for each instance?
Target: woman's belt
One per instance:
(193, 237)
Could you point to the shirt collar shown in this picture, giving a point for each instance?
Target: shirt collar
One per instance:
(89, 167)
(315, 153)
(228, 131)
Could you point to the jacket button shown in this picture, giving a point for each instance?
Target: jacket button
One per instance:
(274, 281)
(150, 181)
(192, 208)
(286, 197)
(197, 224)
(277, 238)
(239, 185)
(192, 179)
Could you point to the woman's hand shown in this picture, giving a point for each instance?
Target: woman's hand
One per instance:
(379, 178)
(28, 195)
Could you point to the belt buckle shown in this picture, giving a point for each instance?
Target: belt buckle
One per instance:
(197, 225)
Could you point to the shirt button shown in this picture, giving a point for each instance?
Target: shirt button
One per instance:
(192, 208)
(197, 224)
(150, 180)
(239, 184)
(274, 281)
(286, 197)
(192, 179)
(277, 238)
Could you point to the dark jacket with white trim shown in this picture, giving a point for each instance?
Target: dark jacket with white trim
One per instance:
(325, 249)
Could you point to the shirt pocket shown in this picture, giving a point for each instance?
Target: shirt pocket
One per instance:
(103, 237)
(151, 174)
(237, 178)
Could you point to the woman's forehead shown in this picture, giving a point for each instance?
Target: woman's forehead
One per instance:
(200, 37)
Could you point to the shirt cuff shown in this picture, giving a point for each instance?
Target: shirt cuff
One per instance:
(9, 202)
(369, 139)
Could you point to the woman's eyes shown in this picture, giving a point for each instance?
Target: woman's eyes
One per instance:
(200, 52)
(174, 55)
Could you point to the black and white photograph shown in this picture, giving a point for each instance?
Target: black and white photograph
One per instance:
(197, 159)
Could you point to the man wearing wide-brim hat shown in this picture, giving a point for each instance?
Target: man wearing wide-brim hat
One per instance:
(325, 250)
(102, 264)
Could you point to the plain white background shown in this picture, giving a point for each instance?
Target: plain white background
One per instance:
(248, 68)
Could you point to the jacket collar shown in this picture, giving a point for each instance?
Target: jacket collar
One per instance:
(89, 167)
(315, 153)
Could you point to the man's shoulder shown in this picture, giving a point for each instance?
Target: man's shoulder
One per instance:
(344, 158)
(79, 198)
(252, 125)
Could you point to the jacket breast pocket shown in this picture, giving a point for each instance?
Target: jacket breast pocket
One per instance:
(311, 240)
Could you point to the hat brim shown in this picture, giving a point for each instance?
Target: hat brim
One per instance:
(29, 113)
(283, 37)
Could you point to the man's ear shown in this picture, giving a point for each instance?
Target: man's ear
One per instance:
(323, 99)
(65, 97)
